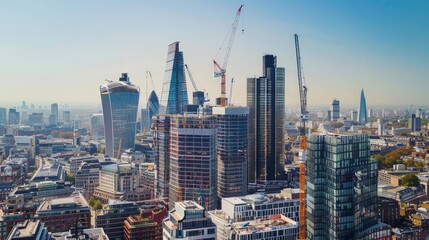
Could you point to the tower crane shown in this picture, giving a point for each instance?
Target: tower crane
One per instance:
(230, 92)
(303, 143)
(205, 96)
(220, 71)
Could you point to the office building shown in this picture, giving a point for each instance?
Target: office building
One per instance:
(13, 117)
(335, 109)
(161, 137)
(188, 221)
(112, 216)
(81, 234)
(174, 95)
(362, 115)
(193, 169)
(97, 126)
(342, 189)
(36, 119)
(62, 214)
(151, 110)
(266, 102)
(120, 102)
(87, 178)
(147, 224)
(30, 229)
(388, 211)
(53, 118)
(354, 115)
(66, 116)
(380, 127)
(3, 116)
(415, 123)
(232, 125)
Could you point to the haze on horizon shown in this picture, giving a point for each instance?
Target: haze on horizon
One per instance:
(61, 51)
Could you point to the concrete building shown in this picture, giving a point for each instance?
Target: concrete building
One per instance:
(49, 171)
(87, 178)
(415, 123)
(174, 95)
(380, 127)
(82, 234)
(193, 169)
(188, 221)
(388, 211)
(232, 150)
(97, 126)
(342, 188)
(36, 119)
(146, 225)
(66, 116)
(161, 132)
(266, 102)
(120, 102)
(62, 214)
(406, 233)
(3, 116)
(112, 216)
(354, 115)
(335, 109)
(394, 177)
(13, 117)
(30, 229)
(53, 118)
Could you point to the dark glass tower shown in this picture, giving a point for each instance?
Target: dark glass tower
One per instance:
(174, 95)
(151, 110)
(161, 136)
(120, 102)
(266, 102)
(362, 115)
(341, 188)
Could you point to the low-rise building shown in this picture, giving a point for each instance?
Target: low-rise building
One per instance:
(62, 214)
(408, 233)
(402, 194)
(388, 211)
(82, 234)
(30, 229)
(188, 221)
(87, 178)
(146, 225)
(393, 177)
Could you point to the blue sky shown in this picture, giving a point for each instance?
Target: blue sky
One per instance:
(61, 51)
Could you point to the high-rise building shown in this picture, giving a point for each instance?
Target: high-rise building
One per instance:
(3, 116)
(13, 117)
(161, 137)
(414, 123)
(354, 115)
(232, 144)
(53, 119)
(335, 109)
(193, 174)
(188, 220)
(120, 102)
(151, 110)
(97, 126)
(342, 189)
(174, 95)
(66, 116)
(36, 119)
(380, 127)
(362, 115)
(266, 101)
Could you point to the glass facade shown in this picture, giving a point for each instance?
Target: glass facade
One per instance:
(362, 115)
(161, 136)
(97, 126)
(120, 102)
(266, 102)
(151, 110)
(174, 95)
(341, 187)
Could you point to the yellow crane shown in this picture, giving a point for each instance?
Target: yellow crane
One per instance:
(119, 149)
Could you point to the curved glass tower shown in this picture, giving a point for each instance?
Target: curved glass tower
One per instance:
(151, 110)
(120, 102)
(174, 96)
(362, 116)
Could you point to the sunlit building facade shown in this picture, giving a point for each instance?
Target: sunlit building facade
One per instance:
(151, 110)
(120, 102)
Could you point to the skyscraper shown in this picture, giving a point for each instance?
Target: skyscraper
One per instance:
(66, 116)
(120, 102)
(362, 115)
(53, 119)
(232, 153)
(193, 169)
(341, 188)
(13, 117)
(161, 136)
(266, 102)
(151, 110)
(335, 109)
(174, 95)
(97, 126)
(414, 123)
(3, 116)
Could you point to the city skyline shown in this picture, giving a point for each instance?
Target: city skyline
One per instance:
(81, 44)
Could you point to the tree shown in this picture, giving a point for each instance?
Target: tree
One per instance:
(420, 164)
(92, 201)
(410, 180)
(97, 205)
(410, 163)
(70, 177)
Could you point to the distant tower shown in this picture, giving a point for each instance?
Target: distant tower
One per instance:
(414, 123)
(13, 116)
(97, 126)
(66, 116)
(53, 118)
(266, 102)
(335, 109)
(362, 115)
(151, 110)
(120, 102)
(3, 116)
(354, 115)
(174, 95)
(380, 127)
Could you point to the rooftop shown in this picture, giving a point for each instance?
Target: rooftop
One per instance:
(88, 234)
(25, 229)
(75, 201)
(264, 225)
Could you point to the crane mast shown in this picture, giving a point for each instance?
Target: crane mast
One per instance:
(220, 71)
(303, 143)
(192, 78)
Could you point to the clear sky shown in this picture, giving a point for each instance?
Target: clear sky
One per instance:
(61, 51)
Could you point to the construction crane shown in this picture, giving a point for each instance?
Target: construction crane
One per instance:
(202, 96)
(119, 149)
(303, 143)
(191, 77)
(220, 71)
(230, 92)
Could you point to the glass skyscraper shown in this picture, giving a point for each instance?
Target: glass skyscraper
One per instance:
(161, 136)
(120, 102)
(342, 189)
(174, 95)
(151, 110)
(266, 102)
(362, 115)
